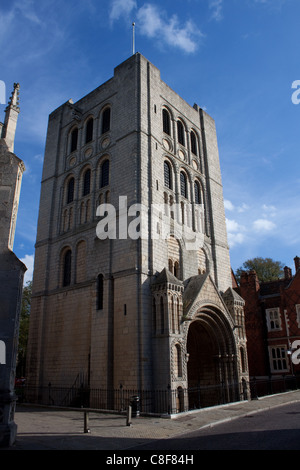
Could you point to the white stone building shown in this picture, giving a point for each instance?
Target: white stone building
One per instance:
(123, 293)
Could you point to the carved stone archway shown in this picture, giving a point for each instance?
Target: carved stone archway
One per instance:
(212, 365)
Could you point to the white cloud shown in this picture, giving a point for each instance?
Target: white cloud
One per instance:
(216, 7)
(153, 23)
(235, 239)
(120, 8)
(28, 260)
(27, 9)
(269, 210)
(233, 226)
(235, 232)
(263, 225)
(243, 208)
(228, 205)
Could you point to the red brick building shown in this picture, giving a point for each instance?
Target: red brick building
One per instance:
(272, 320)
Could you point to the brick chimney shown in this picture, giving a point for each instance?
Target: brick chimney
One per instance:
(287, 272)
(249, 280)
(297, 263)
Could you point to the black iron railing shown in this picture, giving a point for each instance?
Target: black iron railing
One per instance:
(168, 401)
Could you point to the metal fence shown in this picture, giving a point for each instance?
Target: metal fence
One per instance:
(168, 401)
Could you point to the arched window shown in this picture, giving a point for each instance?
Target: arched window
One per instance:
(74, 139)
(100, 292)
(166, 122)
(104, 177)
(106, 120)
(162, 315)
(167, 175)
(70, 190)
(178, 315)
(86, 182)
(180, 132)
(154, 315)
(197, 193)
(176, 269)
(194, 143)
(178, 360)
(89, 130)
(243, 360)
(67, 266)
(183, 184)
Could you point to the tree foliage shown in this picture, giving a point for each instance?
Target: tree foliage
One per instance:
(266, 269)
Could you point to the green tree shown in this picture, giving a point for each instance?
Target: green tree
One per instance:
(24, 328)
(266, 269)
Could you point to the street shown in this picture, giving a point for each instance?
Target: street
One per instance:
(275, 429)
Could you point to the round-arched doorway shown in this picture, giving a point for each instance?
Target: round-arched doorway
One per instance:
(211, 368)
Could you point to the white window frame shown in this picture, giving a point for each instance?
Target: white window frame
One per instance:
(273, 318)
(278, 355)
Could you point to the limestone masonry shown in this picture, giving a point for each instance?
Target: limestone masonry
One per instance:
(144, 313)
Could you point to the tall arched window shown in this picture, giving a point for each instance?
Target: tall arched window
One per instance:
(100, 292)
(106, 120)
(178, 360)
(74, 139)
(166, 122)
(183, 184)
(162, 315)
(194, 143)
(197, 193)
(86, 182)
(180, 133)
(89, 130)
(154, 315)
(243, 359)
(167, 175)
(70, 190)
(104, 177)
(67, 267)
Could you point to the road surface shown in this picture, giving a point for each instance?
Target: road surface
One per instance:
(275, 429)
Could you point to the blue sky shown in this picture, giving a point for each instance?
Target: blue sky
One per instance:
(238, 59)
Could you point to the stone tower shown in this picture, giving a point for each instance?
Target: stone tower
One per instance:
(131, 254)
(11, 268)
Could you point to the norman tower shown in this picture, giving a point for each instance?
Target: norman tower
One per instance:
(129, 310)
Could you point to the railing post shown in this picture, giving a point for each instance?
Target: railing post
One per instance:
(86, 422)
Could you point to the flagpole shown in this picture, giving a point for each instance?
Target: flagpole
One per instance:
(133, 39)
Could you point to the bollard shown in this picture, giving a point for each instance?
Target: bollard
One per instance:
(129, 414)
(86, 422)
(135, 404)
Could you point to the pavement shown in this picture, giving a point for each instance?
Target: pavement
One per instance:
(41, 428)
